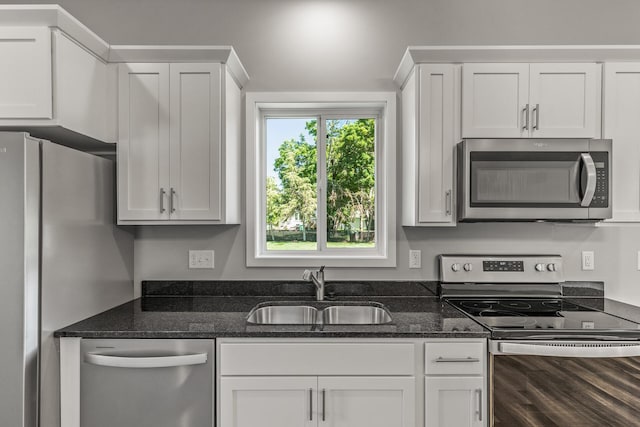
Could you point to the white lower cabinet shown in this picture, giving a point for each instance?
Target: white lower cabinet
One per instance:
(366, 401)
(455, 383)
(455, 402)
(352, 383)
(325, 384)
(273, 401)
(268, 401)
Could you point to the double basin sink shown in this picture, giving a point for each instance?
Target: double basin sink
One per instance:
(296, 313)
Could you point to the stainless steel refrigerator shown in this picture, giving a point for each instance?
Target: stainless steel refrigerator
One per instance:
(62, 259)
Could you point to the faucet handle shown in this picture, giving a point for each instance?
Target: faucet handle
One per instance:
(306, 275)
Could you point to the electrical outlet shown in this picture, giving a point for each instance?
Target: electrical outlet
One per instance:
(415, 259)
(201, 259)
(588, 260)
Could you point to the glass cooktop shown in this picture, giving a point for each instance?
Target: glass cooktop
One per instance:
(539, 315)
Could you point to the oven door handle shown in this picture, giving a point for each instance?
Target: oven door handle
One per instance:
(588, 179)
(570, 349)
(123, 361)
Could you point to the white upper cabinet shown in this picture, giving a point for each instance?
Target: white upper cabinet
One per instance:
(542, 100)
(564, 100)
(196, 141)
(178, 145)
(25, 74)
(53, 87)
(143, 147)
(430, 131)
(622, 125)
(494, 100)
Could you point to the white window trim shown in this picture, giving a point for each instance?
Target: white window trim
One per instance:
(385, 104)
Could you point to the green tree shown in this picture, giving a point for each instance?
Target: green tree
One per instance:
(274, 205)
(296, 168)
(350, 162)
(350, 173)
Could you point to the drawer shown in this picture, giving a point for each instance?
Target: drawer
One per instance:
(454, 358)
(317, 359)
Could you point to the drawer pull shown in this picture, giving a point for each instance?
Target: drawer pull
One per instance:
(457, 359)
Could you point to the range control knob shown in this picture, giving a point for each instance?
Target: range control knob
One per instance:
(468, 267)
(455, 267)
(540, 267)
(551, 267)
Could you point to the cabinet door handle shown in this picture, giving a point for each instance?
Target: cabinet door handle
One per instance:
(525, 120)
(162, 193)
(172, 207)
(536, 114)
(479, 393)
(324, 408)
(310, 404)
(448, 202)
(457, 359)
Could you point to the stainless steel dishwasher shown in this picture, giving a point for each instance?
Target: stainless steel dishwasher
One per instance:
(146, 383)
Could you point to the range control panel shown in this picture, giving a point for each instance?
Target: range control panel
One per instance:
(503, 265)
(501, 269)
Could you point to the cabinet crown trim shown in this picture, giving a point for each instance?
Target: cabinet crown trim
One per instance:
(529, 53)
(54, 16)
(181, 53)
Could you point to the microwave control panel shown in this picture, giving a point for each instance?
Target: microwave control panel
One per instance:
(601, 196)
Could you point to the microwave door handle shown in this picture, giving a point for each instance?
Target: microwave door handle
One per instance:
(591, 178)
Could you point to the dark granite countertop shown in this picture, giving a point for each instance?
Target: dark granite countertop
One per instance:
(207, 309)
(199, 310)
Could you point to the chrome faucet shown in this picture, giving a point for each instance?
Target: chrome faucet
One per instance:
(318, 280)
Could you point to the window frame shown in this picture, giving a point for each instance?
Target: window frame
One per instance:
(341, 105)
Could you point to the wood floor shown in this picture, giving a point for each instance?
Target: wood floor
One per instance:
(565, 392)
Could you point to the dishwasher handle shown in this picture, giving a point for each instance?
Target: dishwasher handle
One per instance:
(123, 361)
(571, 349)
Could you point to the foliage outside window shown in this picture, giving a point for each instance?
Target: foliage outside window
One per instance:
(292, 190)
(319, 177)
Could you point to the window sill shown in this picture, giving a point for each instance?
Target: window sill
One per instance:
(313, 259)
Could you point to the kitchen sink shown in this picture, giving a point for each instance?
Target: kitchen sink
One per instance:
(370, 313)
(283, 315)
(355, 315)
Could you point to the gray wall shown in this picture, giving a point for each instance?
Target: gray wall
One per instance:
(357, 45)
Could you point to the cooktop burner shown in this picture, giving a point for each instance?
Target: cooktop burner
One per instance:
(537, 315)
(516, 307)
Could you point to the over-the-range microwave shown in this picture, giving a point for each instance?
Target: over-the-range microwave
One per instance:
(534, 180)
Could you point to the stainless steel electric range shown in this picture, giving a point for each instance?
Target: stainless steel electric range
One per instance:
(553, 361)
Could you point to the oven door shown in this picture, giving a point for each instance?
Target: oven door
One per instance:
(533, 179)
(564, 384)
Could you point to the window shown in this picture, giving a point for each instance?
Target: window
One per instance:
(320, 179)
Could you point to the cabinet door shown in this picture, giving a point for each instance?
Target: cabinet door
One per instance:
(196, 170)
(455, 402)
(25, 73)
(143, 142)
(82, 88)
(437, 139)
(495, 100)
(268, 401)
(622, 124)
(366, 401)
(563, 99)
